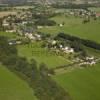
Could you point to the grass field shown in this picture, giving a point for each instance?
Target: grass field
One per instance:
(75, 27)
(82, 84)
(9, 35)
(95, 9)
(41, 55)
(13, 88)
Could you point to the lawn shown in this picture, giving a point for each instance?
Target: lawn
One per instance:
(41, 55)
(13, 88)
(82, 84)
(74, 26)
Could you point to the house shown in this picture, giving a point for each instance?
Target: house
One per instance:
(30, 36)
(61, 25)
(89, 58)
(39, 27)
(24, 22)
(5, 23)
(54, 42)
(68, 49)
(38, 36)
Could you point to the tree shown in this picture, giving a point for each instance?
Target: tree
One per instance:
(43, 69)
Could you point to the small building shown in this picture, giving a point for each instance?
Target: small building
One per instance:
(10, 31)
(61, 25)
(54, 42)
(68, 50)
(30, 36)
(39, 27)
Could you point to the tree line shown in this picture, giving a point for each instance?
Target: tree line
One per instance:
(44, 86)
(87, 43)
(73, 6)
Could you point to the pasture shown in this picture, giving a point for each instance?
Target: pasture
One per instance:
(82, 84)
(13, 88)
(74, 26)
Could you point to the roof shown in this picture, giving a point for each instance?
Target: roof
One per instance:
(97, 14)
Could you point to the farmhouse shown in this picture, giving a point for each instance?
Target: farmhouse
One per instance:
(68, 50)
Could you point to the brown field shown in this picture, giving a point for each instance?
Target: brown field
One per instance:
(6, 13)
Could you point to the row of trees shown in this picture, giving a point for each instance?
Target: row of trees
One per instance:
(45, 22)
(72, 6)
(88, 43)
(37, 77)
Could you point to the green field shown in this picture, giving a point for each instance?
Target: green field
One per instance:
(82, 84)
(13, 88)
(41, 55)
(74, 26)
(9, 35)
(95, 9)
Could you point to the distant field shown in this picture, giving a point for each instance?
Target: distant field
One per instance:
(95, 9)
(82, 84)
(6, 13)
(41, 55)
(75, 27)
(9, 35)
(13, 88)
(23, 7)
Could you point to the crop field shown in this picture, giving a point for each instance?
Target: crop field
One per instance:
(41, 55)
(13, 88)
(82, 84)
(74, 26)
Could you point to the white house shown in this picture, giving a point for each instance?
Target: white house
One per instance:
(30, 36)
(68, 50)
(54, 42)
(11, 31)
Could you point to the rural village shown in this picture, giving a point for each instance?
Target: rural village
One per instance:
(53, 46)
